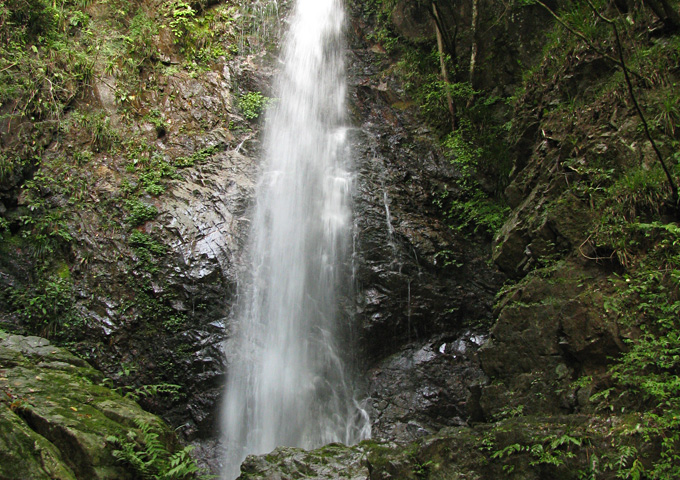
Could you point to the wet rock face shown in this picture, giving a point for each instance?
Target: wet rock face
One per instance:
(204, 218)
(164, 321)
(426, 387)
(420, 283)
(416, 276)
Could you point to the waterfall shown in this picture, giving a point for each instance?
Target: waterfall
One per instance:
(289, 383)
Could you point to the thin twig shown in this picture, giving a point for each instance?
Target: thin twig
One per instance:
(577, 33)
(585, 39)
(598, 258)
(597, 12)
(8, 67)
(631, 92)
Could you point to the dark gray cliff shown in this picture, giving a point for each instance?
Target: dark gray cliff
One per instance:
(425, 290)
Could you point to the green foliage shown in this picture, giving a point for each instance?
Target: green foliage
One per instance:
(667, 106)
(149, 457)
(475, 212)
(42, 224)
(153, 309)
(384, 36)
(156, 119)
(102, 134)
(252, 104)
(182, 16)
(198, 157)
(510, 412)
(146, 250)
(46, 233)
(142, 241)
(631, 234)
(152, 173)
(474, 208)
(47, 308)
(550, 450)
(140, 38)
(137, 393)
(638, 195)
(419, 70)
(197, 35)
(42, 67)
(10, 165)
(640, 191)
(139, 212)
(478, 145)
(26, 19)
(647, 374)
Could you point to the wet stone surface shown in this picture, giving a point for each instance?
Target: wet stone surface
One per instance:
(425, 387)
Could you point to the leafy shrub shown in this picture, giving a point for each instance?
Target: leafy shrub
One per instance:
(181, 16)
(647, 374)
(141, 240)
(197, 157)
(139, 213)
(143, 391)
(146, 250)
(10, 165)
(27, 17)
(152, 176)
(140, 40)
(45, 231)
(47, 308)
(252, 104)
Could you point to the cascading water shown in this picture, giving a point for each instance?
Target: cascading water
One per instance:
(288, 384)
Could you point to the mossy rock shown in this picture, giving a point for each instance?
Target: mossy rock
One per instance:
(518, 448)
(55, 416)
(26, 454)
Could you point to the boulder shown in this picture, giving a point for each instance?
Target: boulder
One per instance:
(56, 414)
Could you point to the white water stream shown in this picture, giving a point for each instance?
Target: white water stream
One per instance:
(289, 384)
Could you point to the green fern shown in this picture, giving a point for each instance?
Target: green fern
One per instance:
(149, 458)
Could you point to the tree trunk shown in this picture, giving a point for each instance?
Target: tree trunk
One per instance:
(442, 63)
(473, 48)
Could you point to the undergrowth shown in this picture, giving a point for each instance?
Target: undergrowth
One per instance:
(635, 235)
(144, 452)
(473, 137)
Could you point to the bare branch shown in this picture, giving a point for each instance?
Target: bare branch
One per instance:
(631, 92)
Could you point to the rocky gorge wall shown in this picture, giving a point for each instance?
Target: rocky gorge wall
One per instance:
(124, 240)
(558, 388)
(421, 315)
(156, 254)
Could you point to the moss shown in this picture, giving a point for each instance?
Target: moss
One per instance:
(55, 398)
(25, 454)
